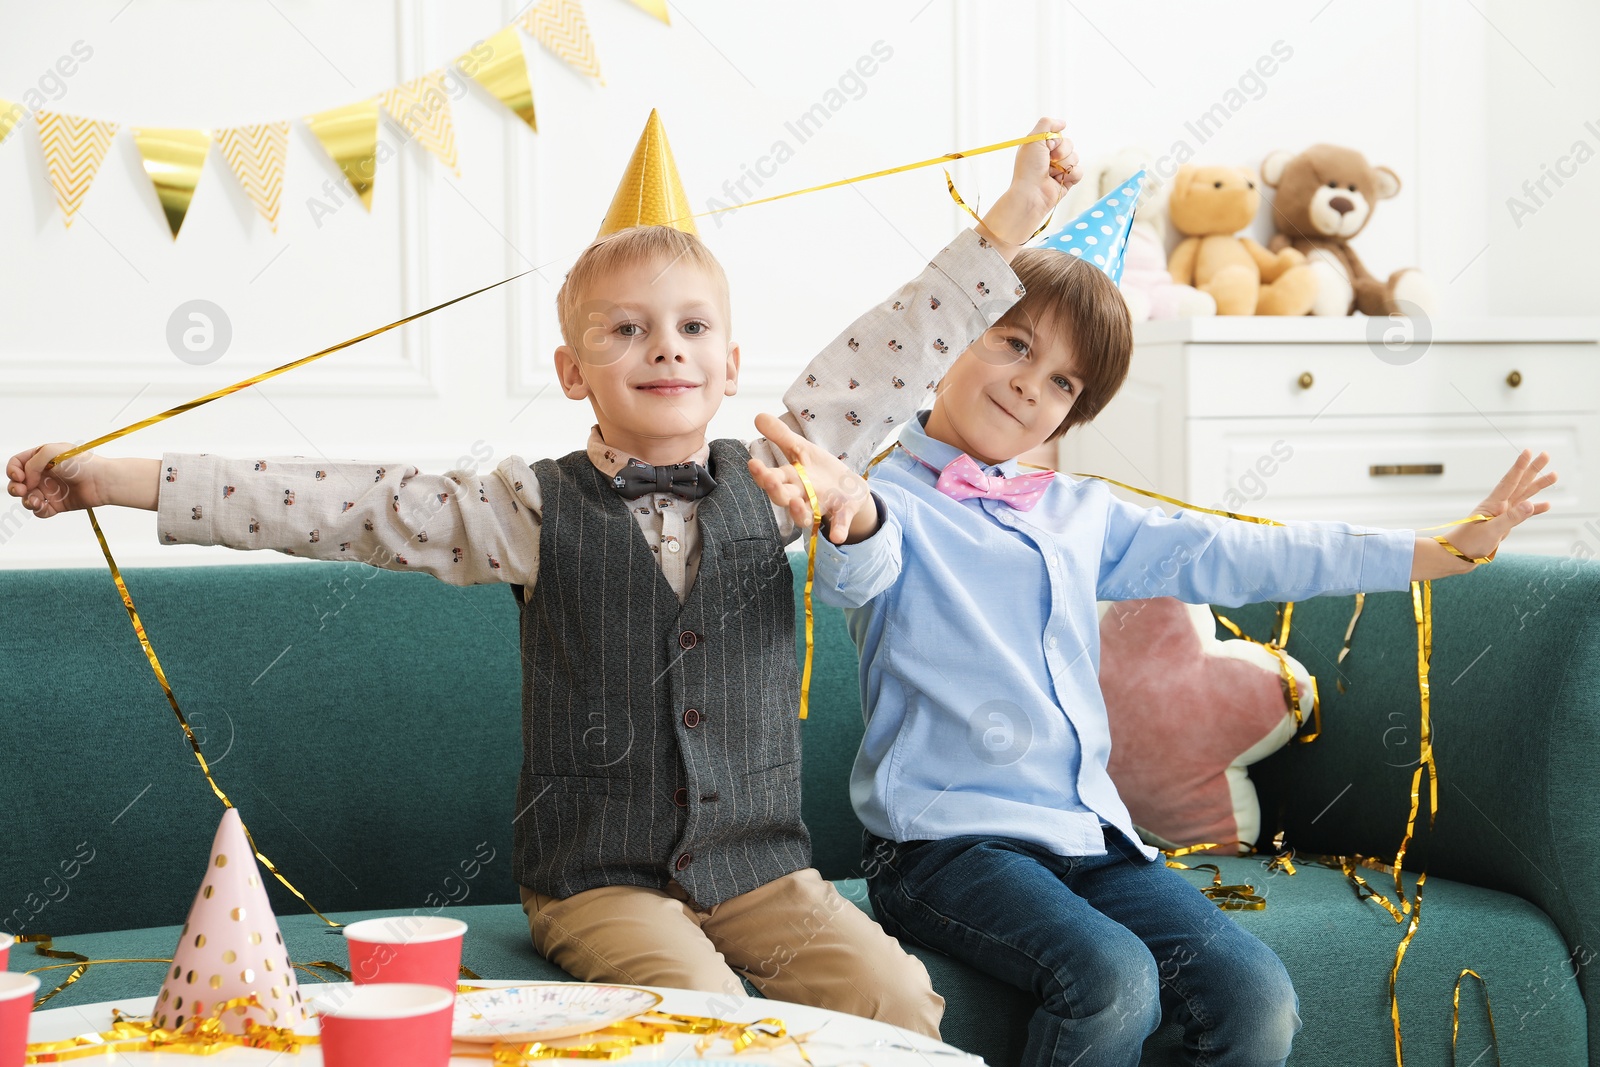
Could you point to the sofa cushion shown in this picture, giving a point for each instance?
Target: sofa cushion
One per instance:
(1338, 950)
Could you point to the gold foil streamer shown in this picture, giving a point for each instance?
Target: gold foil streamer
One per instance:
(1241, 897)
(349, 134)
(650, 1028)
(811, 574)
(183, 721)
(1349, 632)
(498, 65)
(43, 944)
(173, 159)
(201, 1037)
(962, 204)
(1455, 1015)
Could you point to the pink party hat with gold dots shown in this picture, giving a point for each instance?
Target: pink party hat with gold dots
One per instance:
(230, 947)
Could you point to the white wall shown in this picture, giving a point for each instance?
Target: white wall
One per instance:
(82, 333)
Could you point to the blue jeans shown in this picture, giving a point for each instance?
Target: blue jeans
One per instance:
(1109, 944)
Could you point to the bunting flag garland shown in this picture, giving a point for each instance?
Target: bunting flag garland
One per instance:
(74, 148)
(173, 159)
(256, 155)
(349, 134)
(561, 27)
(10, 117)
(658, 8)
(500, 67)
(422, 107)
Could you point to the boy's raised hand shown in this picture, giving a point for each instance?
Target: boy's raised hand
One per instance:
(1508, 504)
(72, 486)
(1041, 176)
(841, 493)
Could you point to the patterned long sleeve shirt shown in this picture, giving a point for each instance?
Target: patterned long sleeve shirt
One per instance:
(468, 528)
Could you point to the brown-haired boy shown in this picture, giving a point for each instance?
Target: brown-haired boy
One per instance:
(997, 835)
(658, 837)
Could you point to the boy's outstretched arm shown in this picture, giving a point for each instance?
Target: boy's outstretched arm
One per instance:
(1508, 504)
(878, 371)
(462, 527)
(1202, 560)
(84, 481)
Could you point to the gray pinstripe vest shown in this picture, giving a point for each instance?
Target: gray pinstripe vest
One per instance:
(660, 741)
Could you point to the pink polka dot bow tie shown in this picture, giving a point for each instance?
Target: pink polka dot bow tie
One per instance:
(963, 479)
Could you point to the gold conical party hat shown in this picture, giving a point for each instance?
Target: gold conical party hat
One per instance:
(651, 193)
(230, 947)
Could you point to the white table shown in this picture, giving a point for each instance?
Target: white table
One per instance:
(837, 1040)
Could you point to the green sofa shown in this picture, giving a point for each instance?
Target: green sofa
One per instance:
(366, 724)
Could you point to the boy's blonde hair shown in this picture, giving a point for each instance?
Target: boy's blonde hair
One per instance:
(627, 248)
(1082, 304)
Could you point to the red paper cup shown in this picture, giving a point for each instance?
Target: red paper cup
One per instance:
(16, 1001)
(6, 941)
(406, 948)
(395, 1024)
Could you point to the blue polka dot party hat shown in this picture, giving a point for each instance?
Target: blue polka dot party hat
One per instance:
(1100, 235)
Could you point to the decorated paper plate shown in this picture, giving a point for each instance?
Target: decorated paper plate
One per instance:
(546, 1010)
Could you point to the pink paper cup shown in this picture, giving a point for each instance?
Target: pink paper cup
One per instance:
(6, 941)
(396, 1024)
(406, 948)
(16, 1001)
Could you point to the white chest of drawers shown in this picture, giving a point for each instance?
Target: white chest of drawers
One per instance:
(1356, 419)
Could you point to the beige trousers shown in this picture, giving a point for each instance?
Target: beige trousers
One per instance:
(795, 939)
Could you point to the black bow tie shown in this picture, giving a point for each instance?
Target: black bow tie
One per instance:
(688, 480)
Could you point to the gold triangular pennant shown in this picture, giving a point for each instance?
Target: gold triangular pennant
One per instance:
(499, 66)
(74, 148)
(11, 116)
(651, 193)
(349, 134)
(256, 155)
(422, 107)
(560, 25)
(173, 159)
(658, 8)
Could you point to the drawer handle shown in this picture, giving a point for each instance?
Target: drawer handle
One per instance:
(1514, 379)
(1384, 470)
(1306, 380)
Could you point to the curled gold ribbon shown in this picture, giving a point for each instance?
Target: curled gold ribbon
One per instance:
(202, 1036)
(1349, 633)
(1455, 1014)
(183, 721)
(811, 574)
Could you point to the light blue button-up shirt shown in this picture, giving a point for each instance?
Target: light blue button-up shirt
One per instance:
(980, 639)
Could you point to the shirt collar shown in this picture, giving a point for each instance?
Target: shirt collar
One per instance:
(608, 461)
(938, 454)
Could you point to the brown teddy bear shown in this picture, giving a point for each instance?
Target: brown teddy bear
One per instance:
(1325, 196)
(1209, 205)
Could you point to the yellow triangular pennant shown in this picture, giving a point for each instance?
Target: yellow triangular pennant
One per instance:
(173, 159)
(561, 26)
(499, 66)
(11, 116)
(349, 134)
(422, 107)
(651, 193)
(256, 156)
(658, 8)
(74, 148)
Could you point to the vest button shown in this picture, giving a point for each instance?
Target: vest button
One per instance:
(691, 718)
(681, 797)
(688, 639)
(684, 861)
